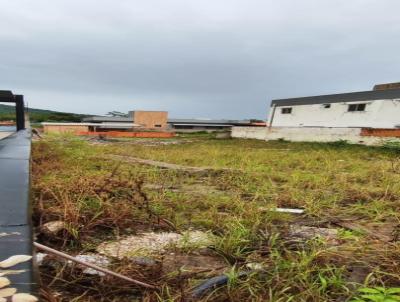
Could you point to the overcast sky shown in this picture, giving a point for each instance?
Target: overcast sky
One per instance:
(194, 58)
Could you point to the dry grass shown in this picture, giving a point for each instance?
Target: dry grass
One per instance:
(100, 198)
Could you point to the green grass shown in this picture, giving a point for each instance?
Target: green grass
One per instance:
(101, 198)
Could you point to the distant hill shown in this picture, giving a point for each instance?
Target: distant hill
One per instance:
(40, 115)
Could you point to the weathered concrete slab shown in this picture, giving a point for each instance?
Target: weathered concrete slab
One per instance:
(5, 134)
(15, 223)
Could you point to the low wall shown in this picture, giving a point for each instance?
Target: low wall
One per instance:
(314, 134)
(380, 132)
(143, 134)
(249, 132)
(64, 128)
(311, 134)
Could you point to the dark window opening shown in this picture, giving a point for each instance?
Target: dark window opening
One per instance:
(356, 107)
(326, 106)
(286, 110)
(183, 127)
(158, 126)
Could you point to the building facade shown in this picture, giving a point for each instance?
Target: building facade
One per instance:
(366, 109)
(209, 125)
(159, 120)
(150, 119)
(88, 127)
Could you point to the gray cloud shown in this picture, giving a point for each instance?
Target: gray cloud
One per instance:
(194, 58)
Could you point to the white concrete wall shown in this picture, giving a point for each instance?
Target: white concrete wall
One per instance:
(315, 134)
(377, 114)
(309, 134)
(249, 132)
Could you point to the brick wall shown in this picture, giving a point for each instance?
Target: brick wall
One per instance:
(64, 128)
(380, 132)
(151, 119)
(143, 134)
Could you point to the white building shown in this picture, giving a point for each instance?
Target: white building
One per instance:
(368, 109)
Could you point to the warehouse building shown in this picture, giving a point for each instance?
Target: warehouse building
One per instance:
(195, 125)
(145, 119)
(88, 127)
(160, 120)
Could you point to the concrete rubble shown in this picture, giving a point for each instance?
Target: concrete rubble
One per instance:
(40, 258)
(53, 227)
(95, 259)
(151, 243)
(302, 232)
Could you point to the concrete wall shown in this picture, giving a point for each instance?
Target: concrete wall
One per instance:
(315, 134)
(309, 134)
(378, 114)
(249, 132)
(151, 119)
(64, 128)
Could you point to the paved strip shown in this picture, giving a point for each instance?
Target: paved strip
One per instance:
(5, 134)
(15, 214)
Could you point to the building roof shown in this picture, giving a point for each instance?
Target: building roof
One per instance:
(117, 119)
(208, 122)
(101, 125)
(341, 97)
(108, 119)
(205, 125)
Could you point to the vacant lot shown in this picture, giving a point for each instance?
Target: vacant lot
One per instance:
(213, 213)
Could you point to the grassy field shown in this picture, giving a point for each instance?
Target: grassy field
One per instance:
(350, 195)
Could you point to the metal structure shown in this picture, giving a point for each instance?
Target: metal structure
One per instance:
(7, 96)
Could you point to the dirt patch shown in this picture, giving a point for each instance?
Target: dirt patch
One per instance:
(193, 189)
(385, 232)
(192, 263)
(146, 142)
(152, 143)
(301, 232)
(169, 166)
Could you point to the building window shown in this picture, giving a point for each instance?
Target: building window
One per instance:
(326, 106)
(286, 110)
(157, 126)
(356, 107)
